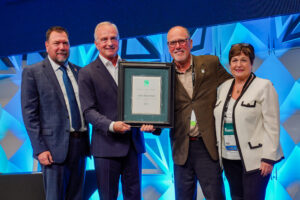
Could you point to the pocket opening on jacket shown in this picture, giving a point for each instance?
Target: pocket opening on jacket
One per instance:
(248, 104)
(254, 147)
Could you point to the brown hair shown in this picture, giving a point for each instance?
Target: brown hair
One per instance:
(56, 29)
(244, 48)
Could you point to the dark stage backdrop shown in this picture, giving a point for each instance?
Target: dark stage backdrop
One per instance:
(277, 44)
(24, 22)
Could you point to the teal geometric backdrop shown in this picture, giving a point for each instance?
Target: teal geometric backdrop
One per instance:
(277, 44)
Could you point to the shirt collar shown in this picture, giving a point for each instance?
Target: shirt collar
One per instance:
(56, 66)
(107, 62)
(189, 69)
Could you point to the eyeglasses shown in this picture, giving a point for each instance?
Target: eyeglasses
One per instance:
(181, 42)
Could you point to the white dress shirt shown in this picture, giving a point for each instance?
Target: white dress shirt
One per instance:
(59, 76)
(113, 70)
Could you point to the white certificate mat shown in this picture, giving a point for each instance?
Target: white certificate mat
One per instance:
(146, 95)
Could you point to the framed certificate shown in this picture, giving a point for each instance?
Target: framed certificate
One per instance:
(146, 93)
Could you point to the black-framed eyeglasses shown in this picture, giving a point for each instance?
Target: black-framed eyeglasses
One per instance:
(181, 42)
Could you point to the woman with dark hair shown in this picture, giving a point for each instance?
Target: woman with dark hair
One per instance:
(247, 127)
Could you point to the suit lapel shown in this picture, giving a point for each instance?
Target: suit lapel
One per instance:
(50, 74)
(74, 71)
(181, 88)
(200, 73)
(104, 73)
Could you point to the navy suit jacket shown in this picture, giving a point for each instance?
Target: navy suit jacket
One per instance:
(45, 112)
(99, 96)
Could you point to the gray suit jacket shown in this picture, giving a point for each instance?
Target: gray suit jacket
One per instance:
(44, 110)
(209, 74)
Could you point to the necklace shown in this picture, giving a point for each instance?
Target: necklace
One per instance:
(240, 85)
(238, 89)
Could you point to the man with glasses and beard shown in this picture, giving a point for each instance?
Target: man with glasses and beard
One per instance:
(193, 138)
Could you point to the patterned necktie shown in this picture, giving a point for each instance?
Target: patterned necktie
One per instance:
(75, 114)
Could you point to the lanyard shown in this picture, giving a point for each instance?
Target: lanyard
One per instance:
(193, 75)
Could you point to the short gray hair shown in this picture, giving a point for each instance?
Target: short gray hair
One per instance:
(102, 24)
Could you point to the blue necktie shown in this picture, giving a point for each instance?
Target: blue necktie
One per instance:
(75, 114)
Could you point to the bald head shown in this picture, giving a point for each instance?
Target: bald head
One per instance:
(178, 29)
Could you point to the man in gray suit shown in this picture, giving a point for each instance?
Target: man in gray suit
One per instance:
(53, 120)
(193, 137)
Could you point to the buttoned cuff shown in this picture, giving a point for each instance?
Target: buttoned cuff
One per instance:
(111, 127)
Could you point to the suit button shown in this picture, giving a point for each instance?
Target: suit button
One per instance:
(67, 117)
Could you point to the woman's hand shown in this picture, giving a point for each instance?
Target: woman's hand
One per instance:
(265, 168)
